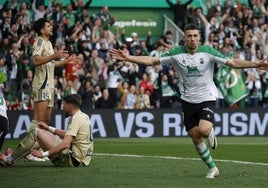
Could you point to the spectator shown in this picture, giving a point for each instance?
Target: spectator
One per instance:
(84, 17)
(146, 83)
(160, 47)
(166, 39)
(210, 26)
(131, 98)
(87, 94)
(143, 100)
(254, 86)
(24, 98)
(25, 46)
(79, 6)
(69, 89)
(3, 75)
(57, 15)
(24, 65)
(115, 78)
(6, 46)
(129, 71)
(12, 59)
(97, 94)
(96, 31)
(94, 66)
(103, 51)
(41, 11)
(166, 91)
(106, 18)
(179, 11)
(58, 93)
(105, 101)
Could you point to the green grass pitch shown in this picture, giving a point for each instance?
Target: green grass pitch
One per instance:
(149, 163)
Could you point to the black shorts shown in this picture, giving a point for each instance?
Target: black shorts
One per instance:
(193, 113)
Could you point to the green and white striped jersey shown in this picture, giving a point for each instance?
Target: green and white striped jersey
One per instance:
(195, 72)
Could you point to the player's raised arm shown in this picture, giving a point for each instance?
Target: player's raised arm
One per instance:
(123, 56)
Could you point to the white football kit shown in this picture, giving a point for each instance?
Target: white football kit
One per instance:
(195, 72)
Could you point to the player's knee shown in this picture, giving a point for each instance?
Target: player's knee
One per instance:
(196, 139)
(205, 130)
(38, 133)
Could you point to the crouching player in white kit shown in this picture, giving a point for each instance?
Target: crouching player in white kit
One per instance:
(194, 65)
(75, 145)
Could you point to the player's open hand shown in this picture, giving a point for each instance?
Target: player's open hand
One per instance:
(43, 125)
(36, 153)
(62, 54)
(263, 64)
(118, 54)
(73, 59)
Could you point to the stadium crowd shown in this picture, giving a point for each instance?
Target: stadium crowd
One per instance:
(102, 82)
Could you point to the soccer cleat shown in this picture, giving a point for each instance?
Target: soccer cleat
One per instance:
(46, 159)
(212, 141)
(5, 160)
(32, 158)
(2, 156)
(2, 162)
(213, 172)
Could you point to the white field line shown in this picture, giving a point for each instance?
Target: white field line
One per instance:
(178, 158)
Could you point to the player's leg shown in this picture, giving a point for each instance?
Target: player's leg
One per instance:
(24, 146)
(40, 111)
(206, 116)
(48, 115)
(50, 105)
(47, 141)
(3, 130)
(28, 142)
(201, 147)
(203, 151)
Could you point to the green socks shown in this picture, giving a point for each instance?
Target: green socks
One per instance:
(27, 143)
(204, 153)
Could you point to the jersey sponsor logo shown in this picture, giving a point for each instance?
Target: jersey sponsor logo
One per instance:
(192, 70)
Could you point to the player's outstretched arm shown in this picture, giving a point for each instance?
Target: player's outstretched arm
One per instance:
(239, 63)
(123, 56)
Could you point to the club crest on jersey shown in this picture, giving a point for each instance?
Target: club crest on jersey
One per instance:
(201, 61)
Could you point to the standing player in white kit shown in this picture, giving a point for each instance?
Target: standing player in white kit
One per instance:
(194, 65)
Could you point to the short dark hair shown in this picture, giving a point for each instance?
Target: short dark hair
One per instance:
(74, 99)
(39, 24)
(191, 26)
(168, 32)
